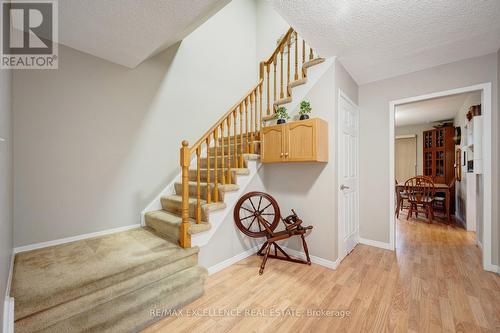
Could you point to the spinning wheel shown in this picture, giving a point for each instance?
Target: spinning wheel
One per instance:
(257, 215)
(254, 207)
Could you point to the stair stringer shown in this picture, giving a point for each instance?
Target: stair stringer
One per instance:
(216, 218)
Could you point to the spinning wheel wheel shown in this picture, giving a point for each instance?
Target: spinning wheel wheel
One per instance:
(256, 213)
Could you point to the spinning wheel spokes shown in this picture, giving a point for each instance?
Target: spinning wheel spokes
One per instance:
(253, 220)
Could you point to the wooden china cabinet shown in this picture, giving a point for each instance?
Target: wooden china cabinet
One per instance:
(439, 154)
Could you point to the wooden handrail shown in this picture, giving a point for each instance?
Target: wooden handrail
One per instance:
(244, 121)
(279, 46)
(221, 119)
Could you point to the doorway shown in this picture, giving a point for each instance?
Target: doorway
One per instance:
(484, 175)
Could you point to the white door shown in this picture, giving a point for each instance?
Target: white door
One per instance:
(348, 177)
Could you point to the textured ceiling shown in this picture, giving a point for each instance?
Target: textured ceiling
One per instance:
(432, 110)
(375, 40)
(129, 31)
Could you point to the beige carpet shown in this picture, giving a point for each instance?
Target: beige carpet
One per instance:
(63, 287)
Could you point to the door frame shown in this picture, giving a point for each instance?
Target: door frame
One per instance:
(340, 246)
(486, 102)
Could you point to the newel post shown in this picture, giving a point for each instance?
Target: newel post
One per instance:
(185, 237)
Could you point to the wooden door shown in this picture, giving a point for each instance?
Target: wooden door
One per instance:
(348, 195)
(300, 141)
(405, 158)
(273, 141)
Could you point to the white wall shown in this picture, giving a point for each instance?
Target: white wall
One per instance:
(270, 26)
(6, 233)
(95, 141)
(374, 141)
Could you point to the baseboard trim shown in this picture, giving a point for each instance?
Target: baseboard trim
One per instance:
(374, 243)
(36, 246)
(316, 260)
(8, 315)
(231, 261)
(8, 307)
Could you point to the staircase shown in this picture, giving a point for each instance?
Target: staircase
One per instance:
(114, 283)
(212, 166)
(103, 284)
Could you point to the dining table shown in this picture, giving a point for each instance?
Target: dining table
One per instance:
(439, 188)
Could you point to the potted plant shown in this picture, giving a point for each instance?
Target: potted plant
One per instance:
(281, 115)
(305, 109)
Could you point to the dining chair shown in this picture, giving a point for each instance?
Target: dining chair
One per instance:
(420, 191)
(439, 200)
(400, 197)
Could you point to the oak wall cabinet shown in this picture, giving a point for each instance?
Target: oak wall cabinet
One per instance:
(298, 141)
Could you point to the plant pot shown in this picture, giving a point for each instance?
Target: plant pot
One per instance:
(304, 116)
(281, 121)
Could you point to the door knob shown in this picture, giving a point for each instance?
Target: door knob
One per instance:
(343, 187)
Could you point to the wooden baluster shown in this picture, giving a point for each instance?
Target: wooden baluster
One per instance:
(255, 120)
(260, 119)
(241, 136)
(303, 51)
(268, 91)
(296, 76)
(275, 62)
(216, 170)
(252, 122)
(288, 67)
(198, 181)
(185, 238)
(209, 194)
(282, 94)
(311, 54)
(246, 125)
(223, 176)
(235, 139)
(229, 175)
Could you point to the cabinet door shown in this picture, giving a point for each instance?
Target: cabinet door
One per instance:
(300, 141)
(273, 140)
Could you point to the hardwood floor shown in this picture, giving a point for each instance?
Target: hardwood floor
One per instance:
(432, 283)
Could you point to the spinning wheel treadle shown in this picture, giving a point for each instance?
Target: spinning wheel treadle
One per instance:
(257, 214)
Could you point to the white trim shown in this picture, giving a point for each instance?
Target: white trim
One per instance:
(408, 136)
(486, 101)
(36, 246)
(231, 261)
(316, 260)
(8, 315)
(374, 243)
(340, 246)
(8, 308)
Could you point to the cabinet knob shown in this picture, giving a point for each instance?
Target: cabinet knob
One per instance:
(286, 154)
(281, 154)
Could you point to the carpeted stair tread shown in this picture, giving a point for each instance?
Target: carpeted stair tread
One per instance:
(60, 274)
(133, 312)
(167, 224)
(173, 203)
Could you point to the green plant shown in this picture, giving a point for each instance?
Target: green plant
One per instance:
(305, 108)
(281, 113)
